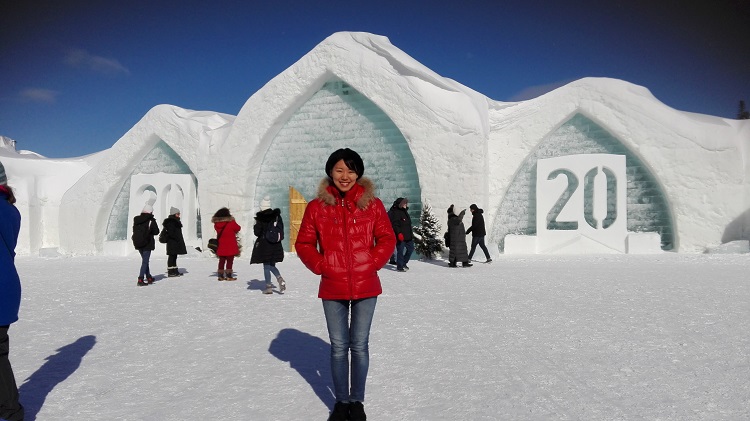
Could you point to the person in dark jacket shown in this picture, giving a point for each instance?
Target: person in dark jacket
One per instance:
(145, 222)
(401, 222)
(264, 251)
(478, 232)
(458, 249)
(226, 234)
(175, 242)
(10, 298)
(346, 237)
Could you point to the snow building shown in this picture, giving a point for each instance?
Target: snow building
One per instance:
(596, 166)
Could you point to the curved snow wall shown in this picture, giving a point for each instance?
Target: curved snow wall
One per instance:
(647, 206)
(161, 158)
(337, 116)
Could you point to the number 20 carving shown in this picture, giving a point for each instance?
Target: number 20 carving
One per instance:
(582, 195)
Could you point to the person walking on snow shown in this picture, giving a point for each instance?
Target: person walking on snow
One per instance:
(226, 234)
(265, 252)
(458, 250)
(346, 237)
(401, 222)
(10, 298)
(144, 230)
(478, 232)
(175, 241)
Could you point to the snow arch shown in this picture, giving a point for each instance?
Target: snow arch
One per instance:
(161, 159)
(337, 116)
(647, 205)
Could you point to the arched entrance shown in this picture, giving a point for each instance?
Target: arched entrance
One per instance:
(337, 116)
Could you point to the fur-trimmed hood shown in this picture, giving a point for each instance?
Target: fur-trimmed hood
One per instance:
(222, 219)
(326, 191)
(267, 215)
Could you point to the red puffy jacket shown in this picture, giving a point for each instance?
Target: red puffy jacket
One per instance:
(346, 241)
(228, 239)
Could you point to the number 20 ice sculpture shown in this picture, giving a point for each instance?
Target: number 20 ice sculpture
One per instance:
(572, 197)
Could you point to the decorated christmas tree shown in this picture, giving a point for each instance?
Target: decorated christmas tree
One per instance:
(427, 240)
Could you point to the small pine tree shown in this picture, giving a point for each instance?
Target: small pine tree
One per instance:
(743, 114)
(427, 241)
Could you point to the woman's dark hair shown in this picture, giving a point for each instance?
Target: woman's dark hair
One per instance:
(352, 160)
(222, 213)
(11, 196)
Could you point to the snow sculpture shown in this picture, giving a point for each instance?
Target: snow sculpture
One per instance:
(424, 137)
(645, 203)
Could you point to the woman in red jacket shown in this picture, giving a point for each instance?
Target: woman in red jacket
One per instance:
(226, 234)
(346, 237)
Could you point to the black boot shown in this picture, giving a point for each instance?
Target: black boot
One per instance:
(357, 412)
(340, 412)
(172, 272)
(466, 264)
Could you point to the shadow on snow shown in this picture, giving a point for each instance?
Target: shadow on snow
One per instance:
(58, 367)
(310, 356)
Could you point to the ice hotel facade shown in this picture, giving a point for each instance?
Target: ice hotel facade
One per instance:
(596, 166)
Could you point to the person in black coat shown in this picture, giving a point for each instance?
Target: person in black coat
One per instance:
(175, 241)
(146, 223)
(457, 250)
(265, 252)
(401, 222)
(478, 232)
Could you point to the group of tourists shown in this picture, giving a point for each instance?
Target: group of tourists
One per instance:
(266, 251)
(145, 229)
(455, 237)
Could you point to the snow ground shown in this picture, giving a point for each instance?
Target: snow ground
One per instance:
(657, 337)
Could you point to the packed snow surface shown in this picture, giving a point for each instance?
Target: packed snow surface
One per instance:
(616, 337)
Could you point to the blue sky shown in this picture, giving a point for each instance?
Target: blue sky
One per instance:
(76, 75)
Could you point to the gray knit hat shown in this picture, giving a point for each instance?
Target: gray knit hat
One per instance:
(173, 210)
(3, 177)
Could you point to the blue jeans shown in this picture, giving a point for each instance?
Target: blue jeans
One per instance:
(345, 337)
(145, 271)
(403, 257)
(480, 241)
(267, 269)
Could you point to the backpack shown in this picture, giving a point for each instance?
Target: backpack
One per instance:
(163, 236)
(141, 234)
(274, 231)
